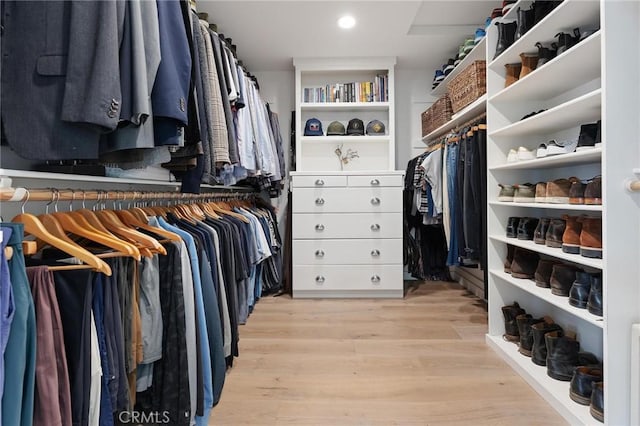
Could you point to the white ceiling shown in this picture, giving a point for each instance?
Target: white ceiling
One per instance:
(422, 34)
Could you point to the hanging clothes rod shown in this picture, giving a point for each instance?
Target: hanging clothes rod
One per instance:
(54, 194)
(472, 120)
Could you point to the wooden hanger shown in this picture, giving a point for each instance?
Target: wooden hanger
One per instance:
(146, 245)
(224, 209)
(128, 218)
(33, 226)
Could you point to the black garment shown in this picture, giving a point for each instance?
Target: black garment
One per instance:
(106, 409)
(74, 290)
(170, 389)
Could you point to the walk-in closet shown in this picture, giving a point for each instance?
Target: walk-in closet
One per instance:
(319, 212)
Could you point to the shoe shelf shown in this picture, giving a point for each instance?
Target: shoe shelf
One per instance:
(346, 106)
(565, 17)
(550, 251)
(479, 53)
(340, 139)
(467, 113)
(545, 294)
(555, 392)
(577, 111)
(578, 207)
(587, 156)
(573, 68)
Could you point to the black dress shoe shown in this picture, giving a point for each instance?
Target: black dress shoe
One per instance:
(510, 313)
(582, 384)
(539, 348)
(579, 293)
(553, 237)
(597, 402)
(526, 227)
(541, 230)
(512, 227)
(526, 334)
(562, 278)
(594, 304)
(562, 355)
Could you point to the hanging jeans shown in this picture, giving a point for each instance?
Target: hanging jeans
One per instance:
(454, 194)
(20, 353)
(53, 395)
(471, 198)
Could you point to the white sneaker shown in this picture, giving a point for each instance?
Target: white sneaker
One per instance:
(564, 147)
(512, 157)
(542, 151)
(525, 154)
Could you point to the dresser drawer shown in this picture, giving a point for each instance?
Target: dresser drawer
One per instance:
(347, 252)
(375, 181)
(354, 277)
(349, 225)
(347, 200)
(318, 181)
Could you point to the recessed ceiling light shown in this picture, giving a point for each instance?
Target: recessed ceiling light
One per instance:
(347, 22)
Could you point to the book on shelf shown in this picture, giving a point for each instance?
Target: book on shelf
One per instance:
(362, 91)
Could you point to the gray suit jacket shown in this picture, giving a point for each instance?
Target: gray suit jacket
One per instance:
(60, 85)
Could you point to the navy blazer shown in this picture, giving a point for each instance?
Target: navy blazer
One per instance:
(60, 84)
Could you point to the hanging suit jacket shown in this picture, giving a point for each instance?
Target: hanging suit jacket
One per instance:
(60, 84)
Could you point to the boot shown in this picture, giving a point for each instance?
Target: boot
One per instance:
(553, 237)
(567, 41)
(524, 22)
(506, 37)
(571, 235)
(582, 384)
(512, 74)
(543, 272)
(539, 349)
(579, 293)
(526, 227)
(529, 63)
(526, 335)
(542, 8)
(512, 226)
(591, 237)
(597, 402)
(594, 304)
(541, 230)
(509, 260)
(576, 192)
(562, 278)
(562, 355)
(593, 191)
(524, 263)
(510, 312)
(546, 54)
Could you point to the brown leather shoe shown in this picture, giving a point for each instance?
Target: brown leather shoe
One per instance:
(558, 190)
(541, 192)
(512, 74)
(571, 235)
(509, 259)
(553, 238)
(562, 278)
(593, 191)
(524, 263)
(591, 237)
(529, 63)
(543, 272)
(576, 192)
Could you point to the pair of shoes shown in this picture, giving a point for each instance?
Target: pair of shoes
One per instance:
(512, 73)
(587, 388)
(521, 263)
(545, 54)
(506, 36)
(563, 355)
(586, 292)
(554, 147)
(524, 20)
(437, 79)
(522, 154)
(559, 191)
(448, 67)
(521, 193)
(566, 41)
(583, 235)
(589, 193)
(510, 313)
(480, 34)
(531, 114)
(521, 227)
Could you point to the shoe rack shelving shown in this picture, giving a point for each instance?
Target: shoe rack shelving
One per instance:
(595, 79)
(477, 54)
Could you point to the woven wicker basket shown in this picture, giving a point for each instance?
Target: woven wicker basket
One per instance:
(436, 115)
(468, 86)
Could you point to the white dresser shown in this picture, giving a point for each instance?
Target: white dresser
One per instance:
(347, 234)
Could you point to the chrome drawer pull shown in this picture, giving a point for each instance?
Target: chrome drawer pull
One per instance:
(319, 201)
(375, 279)
(375, 201)
(320, 182)
(319, 227)
(375, 253)
(375, 227)
(375, 182)
(319, 279)
(319, 253)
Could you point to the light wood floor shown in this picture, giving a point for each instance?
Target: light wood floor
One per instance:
(417, 361)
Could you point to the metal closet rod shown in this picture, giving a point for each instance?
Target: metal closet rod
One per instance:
(54, 194)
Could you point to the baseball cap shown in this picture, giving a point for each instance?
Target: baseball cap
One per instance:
(336, 128)
(355, 127)
(313, 127)
(375, 127)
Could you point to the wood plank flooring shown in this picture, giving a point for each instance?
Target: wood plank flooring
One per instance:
(417, 361)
